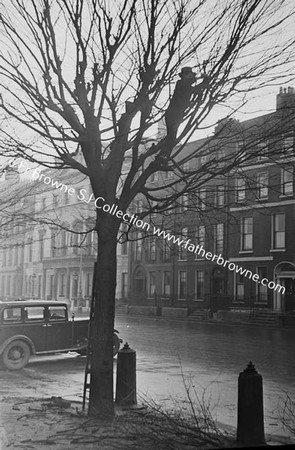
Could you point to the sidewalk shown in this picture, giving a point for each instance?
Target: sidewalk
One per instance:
(58, 424)
(233, 320)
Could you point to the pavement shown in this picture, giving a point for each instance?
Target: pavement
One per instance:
(32, 418)
(58, 424)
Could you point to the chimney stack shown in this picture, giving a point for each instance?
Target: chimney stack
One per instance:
(286, 98)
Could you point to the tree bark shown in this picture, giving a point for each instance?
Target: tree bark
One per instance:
(101, 401)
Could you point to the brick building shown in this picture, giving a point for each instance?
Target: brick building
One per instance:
(245, 214)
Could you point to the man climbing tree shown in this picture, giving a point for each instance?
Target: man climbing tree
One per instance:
(181, 100)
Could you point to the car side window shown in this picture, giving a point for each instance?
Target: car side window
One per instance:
(11, 315)
(57, 313)
(34, 313)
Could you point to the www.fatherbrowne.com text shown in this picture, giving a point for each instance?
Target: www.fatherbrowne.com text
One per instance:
(134, 220)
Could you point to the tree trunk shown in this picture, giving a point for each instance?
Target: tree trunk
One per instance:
(101, 402)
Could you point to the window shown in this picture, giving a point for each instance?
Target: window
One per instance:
(262, 150)
(202, 198)
(3, 286)
(166, 250)
(167, 283)
(241, 153)
(12, 315)
(138, 247)
(88, 243)
(10, 251)
(182, 249)
(205, 157)
(168, 175)
(39, 286)
(57, 313)
(287, 145)
(287, 181)
(33, 313)
(55, 200)
(88, 282)
(124, 285)
(4, 257)
(219, 196)
(154, 177)
(75, 285)
(62, 283)
(262, 185)
(221, 154)
(41, 245)
(124, 242)
(138, 206)
(53, 242)
(261, 290)
(151, 249)
(152, 284)
(199, 284)
(218, 237)
(200, 238)
(247, 233)
(183, 202)
(278, 226)
(8, 285)
(240, 287)
(182, 284)
(186, 166)
(63, 243)
(15, 255)
(51, 286)
(76, 238)
(240, 190)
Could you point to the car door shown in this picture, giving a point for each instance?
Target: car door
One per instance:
(58, 328)
(35, 326)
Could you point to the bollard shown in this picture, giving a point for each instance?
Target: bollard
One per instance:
(126, 377)
(250, 407)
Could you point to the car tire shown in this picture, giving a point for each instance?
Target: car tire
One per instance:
(116, 344)
(16, 355)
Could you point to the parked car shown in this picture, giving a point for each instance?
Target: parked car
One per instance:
(40, 327)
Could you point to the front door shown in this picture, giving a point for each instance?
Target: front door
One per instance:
(289, 296)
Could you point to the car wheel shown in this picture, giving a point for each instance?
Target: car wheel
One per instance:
(116, 344)
(16, 355)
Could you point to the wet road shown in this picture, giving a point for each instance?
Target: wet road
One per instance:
(172, 354)
(210, 357)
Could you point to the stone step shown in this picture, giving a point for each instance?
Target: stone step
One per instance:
(265, 318)
(198, 315)
(121, 309)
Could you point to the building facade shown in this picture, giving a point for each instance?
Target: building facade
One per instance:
(245, 214)
(48, 246)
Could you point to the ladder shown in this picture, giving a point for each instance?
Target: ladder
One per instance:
(88, 367)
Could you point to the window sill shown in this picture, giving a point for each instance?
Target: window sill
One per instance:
(200, 300)
(287, 195)
(245, 252)
(277, 250)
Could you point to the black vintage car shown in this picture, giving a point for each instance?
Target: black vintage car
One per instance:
(40, 327)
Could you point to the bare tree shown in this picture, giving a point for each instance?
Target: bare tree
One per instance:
(94, 77)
